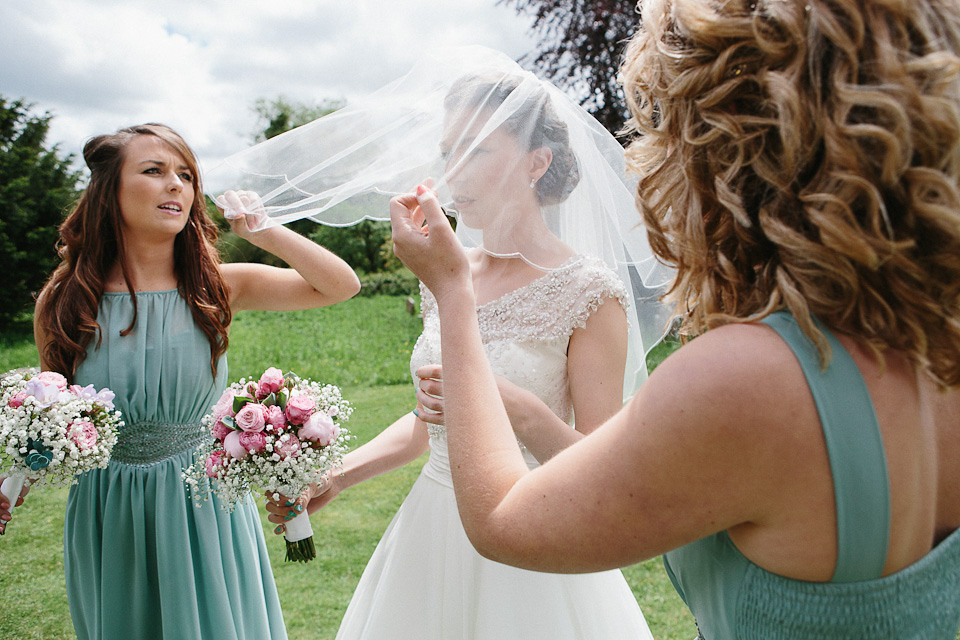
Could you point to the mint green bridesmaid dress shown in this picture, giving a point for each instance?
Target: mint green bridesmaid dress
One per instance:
(732, 598)
(141, 560)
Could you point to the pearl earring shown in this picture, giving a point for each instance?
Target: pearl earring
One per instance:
(533, 183)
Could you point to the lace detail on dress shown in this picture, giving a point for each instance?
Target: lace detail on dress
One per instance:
(525, 333)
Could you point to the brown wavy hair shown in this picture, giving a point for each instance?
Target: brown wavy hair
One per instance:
(91, 243)
(805, 155)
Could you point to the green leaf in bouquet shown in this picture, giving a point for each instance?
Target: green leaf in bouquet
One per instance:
(282, 396)
(228, 422)
(37, 460)
(270, 400)
(239, 402)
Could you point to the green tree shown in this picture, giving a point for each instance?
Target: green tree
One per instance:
(280, 115)
(36, 188)
(581, 45)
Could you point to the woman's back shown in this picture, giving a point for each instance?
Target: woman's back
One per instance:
(868, 508)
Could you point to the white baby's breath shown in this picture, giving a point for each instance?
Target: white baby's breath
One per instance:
(34, 425)
(268, 470)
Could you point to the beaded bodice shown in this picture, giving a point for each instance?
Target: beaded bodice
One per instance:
(160, 373)
(525, 333)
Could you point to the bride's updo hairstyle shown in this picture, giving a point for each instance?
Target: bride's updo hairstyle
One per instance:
(805, 154)
(533, 122)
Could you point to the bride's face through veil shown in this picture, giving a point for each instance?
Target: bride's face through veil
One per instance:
(489, 176)
(497, 145)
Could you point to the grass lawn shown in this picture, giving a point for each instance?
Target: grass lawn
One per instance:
(362, 345)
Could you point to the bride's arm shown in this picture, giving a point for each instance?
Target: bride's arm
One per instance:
(595, 361)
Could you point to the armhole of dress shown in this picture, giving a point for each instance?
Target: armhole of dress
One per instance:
(855, 447)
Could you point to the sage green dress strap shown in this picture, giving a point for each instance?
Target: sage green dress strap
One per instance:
(733, 598)
(857, 459)
(141, 560)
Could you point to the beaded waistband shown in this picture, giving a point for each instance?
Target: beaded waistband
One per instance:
(150, 441)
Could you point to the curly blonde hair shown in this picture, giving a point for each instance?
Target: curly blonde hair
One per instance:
(805, 155)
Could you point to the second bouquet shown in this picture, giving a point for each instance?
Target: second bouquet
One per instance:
(279, 434)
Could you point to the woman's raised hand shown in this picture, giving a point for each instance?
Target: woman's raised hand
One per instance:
(243, 210)
(426, 243)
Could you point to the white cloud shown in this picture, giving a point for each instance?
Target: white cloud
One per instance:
(199, 65)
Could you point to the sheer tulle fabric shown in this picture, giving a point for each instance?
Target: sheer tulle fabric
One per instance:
(471, 121)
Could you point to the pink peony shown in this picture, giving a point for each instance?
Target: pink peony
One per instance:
(54, 378)
(320, 429)
(287, 446)
(17, 400)
(276, 421)
(220, 430)
(83, 433)
(300, 408)
(233, 446)
(224, 406)
(270, 382)
(250, 418)
(253, 441)
(214, 461)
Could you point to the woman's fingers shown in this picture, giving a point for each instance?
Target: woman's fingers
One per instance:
(244, 209)
(282, 509)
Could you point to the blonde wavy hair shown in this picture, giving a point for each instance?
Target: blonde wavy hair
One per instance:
(805, 155)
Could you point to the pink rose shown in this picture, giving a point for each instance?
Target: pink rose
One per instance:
(214, 461)
(270, 382)
(253, 441)
(300, 408)
(233, 446)
(287, 446)
(273, 416)
(220, 430)
(54, 378)
(250, 418)
(17, 400)
(320, 429)
(83, 433)
(224, 406)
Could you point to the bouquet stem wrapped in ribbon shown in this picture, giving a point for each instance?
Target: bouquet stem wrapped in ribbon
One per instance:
(51, 431)
(279, 433)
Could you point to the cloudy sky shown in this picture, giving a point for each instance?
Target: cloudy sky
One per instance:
(200, 65)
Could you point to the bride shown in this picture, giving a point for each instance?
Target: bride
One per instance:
(538, 189)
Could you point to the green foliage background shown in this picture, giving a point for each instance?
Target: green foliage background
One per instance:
(37, 186)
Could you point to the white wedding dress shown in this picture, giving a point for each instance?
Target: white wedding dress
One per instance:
(425, 581)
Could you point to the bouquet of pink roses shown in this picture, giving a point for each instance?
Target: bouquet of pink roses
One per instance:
(279, 433)
(51, 431)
